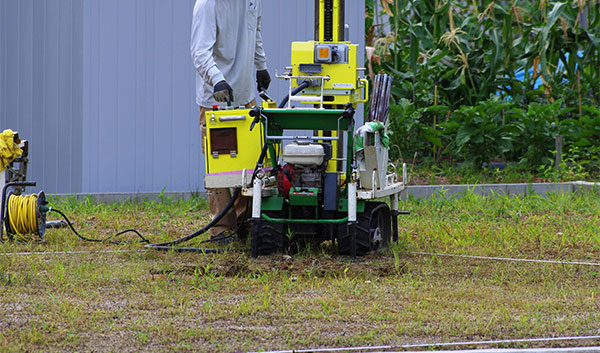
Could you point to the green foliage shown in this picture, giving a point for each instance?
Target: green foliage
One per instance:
(456, 93)
(537, 133)
(478, 131)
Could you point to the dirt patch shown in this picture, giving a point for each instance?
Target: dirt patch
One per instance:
(373, 265)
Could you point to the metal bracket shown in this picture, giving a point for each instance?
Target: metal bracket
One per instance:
(319, 99)
(232, 118)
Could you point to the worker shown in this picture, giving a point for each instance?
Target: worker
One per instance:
(227, 49)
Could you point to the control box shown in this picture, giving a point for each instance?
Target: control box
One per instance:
(230, 148)
(337, 61)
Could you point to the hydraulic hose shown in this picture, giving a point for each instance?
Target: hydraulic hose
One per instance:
(107, 240)
(168, 245)
(303, 85)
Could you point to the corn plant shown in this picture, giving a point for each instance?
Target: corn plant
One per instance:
(447, 56)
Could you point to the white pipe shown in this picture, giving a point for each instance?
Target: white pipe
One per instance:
(322, 91)
(352, 202)
(373, 180)
(256, 198)
(314, 138)
(394, 202)
(244, 173)
(289, 103)
(305, 99)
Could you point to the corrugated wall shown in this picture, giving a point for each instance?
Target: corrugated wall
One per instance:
(3, 30)
(105, 90)
(41, 86)
(140, 127)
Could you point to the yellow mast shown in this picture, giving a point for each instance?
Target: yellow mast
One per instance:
(329, 20)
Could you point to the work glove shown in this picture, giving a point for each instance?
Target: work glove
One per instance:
(223, 92)
(263, 79)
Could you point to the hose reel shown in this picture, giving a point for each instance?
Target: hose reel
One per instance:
(26, 214)
(23, 214)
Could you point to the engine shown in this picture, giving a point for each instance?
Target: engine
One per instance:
(305, 165)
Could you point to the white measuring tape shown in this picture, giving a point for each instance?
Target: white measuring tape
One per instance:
(69, 252)
(583, 263)
(506, 259)
(510, 350)
(374, 349)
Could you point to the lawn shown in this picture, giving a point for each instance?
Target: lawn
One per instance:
(156, 301)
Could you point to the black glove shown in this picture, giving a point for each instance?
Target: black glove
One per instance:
(223, 92)
(263, 79)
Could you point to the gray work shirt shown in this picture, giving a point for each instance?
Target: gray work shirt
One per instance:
(226, 44)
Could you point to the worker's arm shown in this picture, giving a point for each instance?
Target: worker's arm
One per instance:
(204, 36)
(260, 58)
(263, 79)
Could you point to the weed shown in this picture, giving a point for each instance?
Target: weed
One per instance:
(6, 278)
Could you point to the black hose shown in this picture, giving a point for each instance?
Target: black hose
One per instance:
(176, 249)
(107, 240)
(168, 245)
(260, 162)
(303, 85)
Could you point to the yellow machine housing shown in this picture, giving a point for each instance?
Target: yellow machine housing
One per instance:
(230, 147)
(330, 56)
(317, 59)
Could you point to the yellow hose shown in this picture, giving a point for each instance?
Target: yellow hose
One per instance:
(22, 215)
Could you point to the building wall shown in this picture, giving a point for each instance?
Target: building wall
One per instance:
(3, 57)
(140, 121)
(104, 89)
(41, 85)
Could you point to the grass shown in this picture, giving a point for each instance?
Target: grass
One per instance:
(153, 301)
(427, 173)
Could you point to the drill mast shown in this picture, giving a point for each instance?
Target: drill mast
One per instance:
(329, 20)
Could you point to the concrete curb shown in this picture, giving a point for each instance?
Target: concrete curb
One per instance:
(542, 189)
(134, 197)
(416, 191)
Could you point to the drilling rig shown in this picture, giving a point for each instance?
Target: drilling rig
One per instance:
(333, 183)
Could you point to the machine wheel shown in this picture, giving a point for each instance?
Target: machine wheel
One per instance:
(271, 236)
(373, 230)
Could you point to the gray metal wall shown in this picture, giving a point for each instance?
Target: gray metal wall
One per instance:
(140, 122)
(41, 86)
(104, 88)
